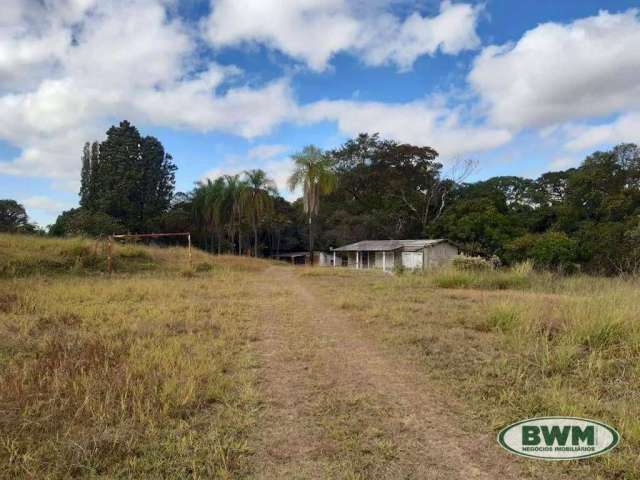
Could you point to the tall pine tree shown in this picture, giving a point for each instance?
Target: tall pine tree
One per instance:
(85, 176)
(127, 176)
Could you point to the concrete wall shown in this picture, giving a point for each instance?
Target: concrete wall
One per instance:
(439, 254)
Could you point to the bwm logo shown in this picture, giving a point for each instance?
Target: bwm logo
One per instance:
(558, 438)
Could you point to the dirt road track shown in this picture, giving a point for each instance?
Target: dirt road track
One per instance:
(312, 354)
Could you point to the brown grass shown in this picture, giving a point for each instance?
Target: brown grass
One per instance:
(135, 376)
(153, 373)
(559, 346)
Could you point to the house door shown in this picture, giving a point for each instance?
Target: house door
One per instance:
(364, 259)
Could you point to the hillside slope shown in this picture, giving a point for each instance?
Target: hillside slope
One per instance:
(22, 255)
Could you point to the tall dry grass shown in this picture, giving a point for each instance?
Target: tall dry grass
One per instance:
(22, 255)
(135, 376)
(514, 344)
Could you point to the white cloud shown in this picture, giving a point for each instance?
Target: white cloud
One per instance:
(266, 151)
(41, 202)
(315, 30)
(563, 163)
(70, 68)
(418, 122)
(560, 72)
(389, 40)
(625, 128)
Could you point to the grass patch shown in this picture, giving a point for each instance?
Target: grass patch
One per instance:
(135, 376)
(484, 280)
(23, 256)
(515, 344)
(503, 318)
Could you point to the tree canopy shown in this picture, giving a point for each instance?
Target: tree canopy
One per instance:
(13, 218)
(369, 188)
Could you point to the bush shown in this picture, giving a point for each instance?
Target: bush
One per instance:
(79, 221)
(471, 264)
(548, 250)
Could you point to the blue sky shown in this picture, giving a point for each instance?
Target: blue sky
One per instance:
(226, 85)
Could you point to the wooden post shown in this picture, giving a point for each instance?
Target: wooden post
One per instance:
(357, 260)
(384, 261)
(189, 243)
(109, 254)
(334, 259)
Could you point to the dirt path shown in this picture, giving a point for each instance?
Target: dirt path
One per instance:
(339, 406)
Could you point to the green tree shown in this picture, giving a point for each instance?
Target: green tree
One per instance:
(258, 201)
(549, 250)
(85, 177)
(207, 204)
(80, 221)
(312, 171)
(13, 217)
(128, 177)
(233, 208)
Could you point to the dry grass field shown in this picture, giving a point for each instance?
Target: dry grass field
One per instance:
(239, 368)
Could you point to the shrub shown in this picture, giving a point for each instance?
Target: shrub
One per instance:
(523, 268)
(549, 250)
(476, 264)
(79, 221)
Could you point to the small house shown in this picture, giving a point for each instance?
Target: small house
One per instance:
(389, 254)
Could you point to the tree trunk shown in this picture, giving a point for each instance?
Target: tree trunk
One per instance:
(311, 240)
(219, 244)
(239, 242)
(255, 239)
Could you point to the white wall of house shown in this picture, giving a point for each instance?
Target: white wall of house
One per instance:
(324, 259)
(412, 260)
(430, 256)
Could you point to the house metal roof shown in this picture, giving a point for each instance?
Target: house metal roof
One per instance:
(388, 245)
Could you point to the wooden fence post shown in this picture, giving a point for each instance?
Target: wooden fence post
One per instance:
(189, 242)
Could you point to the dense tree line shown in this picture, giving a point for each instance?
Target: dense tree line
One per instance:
(586, 217)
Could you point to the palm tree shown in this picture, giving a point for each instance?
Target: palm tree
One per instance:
(312, 170)
(207, 208)
(233, 207)
(258, 200)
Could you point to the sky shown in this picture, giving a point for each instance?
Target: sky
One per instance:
(229, 85)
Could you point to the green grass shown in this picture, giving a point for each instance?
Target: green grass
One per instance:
(488, 280)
